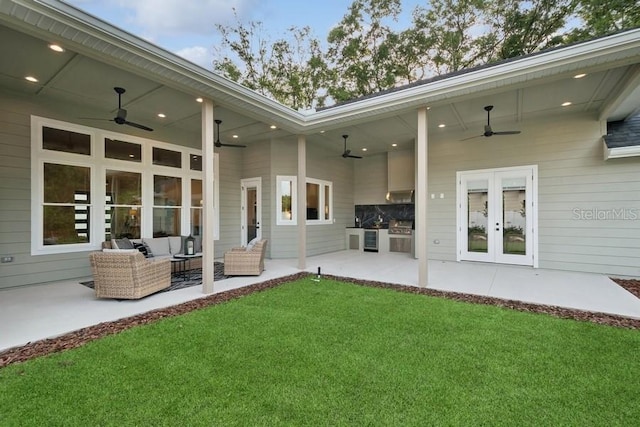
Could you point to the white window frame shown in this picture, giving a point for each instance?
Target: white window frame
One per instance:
(294, 197)
(98, 165)
(321, 202)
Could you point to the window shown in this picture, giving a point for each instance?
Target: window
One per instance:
(195, 162)
(121, 150)
(66, 209)
(162, 157)
(286, 202)
(123, 210)
(319, 201)
(66, 141)
(167, 202)
(196, 207)
(89, 185)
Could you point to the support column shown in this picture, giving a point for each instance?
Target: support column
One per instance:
(208, 185)
(302, 202)
(422, 199)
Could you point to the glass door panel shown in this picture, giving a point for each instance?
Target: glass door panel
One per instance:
(477, 211)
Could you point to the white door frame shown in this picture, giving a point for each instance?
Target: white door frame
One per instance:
(494, 222)
(244, 226)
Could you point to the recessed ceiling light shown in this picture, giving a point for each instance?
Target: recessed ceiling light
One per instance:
(579, 76)
(56, 47)
(364, 149)
(321, 131)
(273, 127)
(199, 100)
(161, 115)
(132, 155)
(31, 79)
(441, 125)
(394, 145)
(566, 104)
(234, 136)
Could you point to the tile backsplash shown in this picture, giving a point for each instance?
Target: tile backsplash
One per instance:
(368, 214)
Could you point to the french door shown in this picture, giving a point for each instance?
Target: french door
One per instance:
(251, 190)
(496, 215)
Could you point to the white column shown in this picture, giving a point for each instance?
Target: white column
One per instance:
(208, 185)
(422, 199)
(302, 202)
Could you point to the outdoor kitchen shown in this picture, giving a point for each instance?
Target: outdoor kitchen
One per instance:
(382, 228)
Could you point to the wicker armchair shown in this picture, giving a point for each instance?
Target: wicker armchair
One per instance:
(128, 275)
(245, 262)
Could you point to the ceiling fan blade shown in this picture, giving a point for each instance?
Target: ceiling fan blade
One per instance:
(347, 153)
(139, 126)
(220, 144)
(507, 132)
(472, 137)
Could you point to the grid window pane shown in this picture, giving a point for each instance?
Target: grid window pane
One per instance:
(66, 184)
(162, 157)
(66, 141)
(121, 150)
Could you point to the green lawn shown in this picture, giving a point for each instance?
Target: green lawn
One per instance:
(337, 354)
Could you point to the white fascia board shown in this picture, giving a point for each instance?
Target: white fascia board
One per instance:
(621, 47)
(621, 152)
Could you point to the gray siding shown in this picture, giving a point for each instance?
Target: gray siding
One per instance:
(572, 178)
(370, 180)
(327, 165)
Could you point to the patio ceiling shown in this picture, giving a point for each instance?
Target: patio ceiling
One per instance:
(79, 83)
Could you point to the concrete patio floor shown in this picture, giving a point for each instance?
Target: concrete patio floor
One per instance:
(37, 312)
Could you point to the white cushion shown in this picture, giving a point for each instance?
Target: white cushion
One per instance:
(175, 244)
(159, 245)
(122, 251)
(252, 243)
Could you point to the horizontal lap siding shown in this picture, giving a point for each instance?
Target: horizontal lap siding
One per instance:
(15, 207)
(328, 165)
(572, 178)
(284, 162)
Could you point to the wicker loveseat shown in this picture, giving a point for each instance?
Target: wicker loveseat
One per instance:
(247, 261)
(128, 274)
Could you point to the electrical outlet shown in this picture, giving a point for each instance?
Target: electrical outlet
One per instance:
(6, 259)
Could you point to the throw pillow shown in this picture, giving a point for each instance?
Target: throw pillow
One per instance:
(252, 243)
(140, 247)
(122, 244)
(148, 249)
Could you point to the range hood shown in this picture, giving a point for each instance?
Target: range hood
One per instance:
(400, 196)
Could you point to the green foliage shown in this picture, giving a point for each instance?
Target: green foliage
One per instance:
(292, 71)
(365, 54)
(602, 17)
(332, 353)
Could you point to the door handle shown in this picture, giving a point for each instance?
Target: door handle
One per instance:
(497, 226)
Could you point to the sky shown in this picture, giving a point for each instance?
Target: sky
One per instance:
(187, 27)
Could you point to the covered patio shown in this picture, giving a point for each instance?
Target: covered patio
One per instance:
(32, 313)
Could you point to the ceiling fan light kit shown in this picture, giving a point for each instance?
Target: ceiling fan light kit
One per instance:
(347, 153)
(219, 144)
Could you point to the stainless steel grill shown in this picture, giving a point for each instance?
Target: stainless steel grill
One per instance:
(400, 226)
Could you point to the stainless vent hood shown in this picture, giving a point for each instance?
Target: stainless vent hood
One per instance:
(401, 196)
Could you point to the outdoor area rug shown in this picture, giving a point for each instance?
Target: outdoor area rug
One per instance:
(194, 278)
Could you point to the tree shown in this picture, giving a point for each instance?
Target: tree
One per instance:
(522, 28)
(292, 71)
(600, 17)
(361, 49)
(446, 32)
